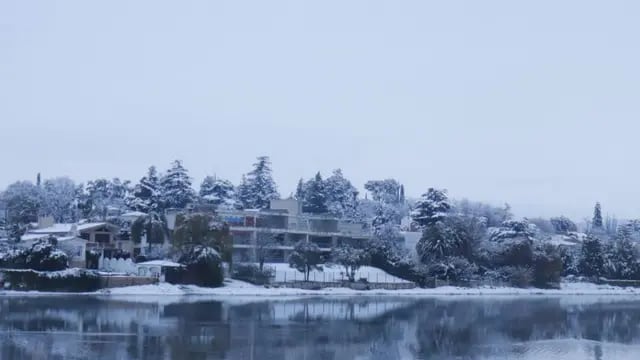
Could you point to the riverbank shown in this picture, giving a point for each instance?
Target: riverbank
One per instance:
(239, 288)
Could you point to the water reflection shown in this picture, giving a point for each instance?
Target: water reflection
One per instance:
(357, 328)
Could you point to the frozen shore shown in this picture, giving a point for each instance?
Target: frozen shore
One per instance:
(239, 288)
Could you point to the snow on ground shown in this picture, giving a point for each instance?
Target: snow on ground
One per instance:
(334, 273)
(239, 288)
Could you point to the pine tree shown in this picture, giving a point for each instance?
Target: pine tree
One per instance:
(597, 216)
(342, 196)
(315, 200)
(145, 196)
(176, 188)
(217, 192)
(258, 187)
(300, 190)
(432, 207)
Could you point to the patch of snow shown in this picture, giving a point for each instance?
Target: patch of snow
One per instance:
(332, 273)
(165, 263)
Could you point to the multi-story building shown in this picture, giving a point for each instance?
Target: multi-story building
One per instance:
(284, 224)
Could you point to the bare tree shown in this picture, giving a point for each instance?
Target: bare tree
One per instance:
(266, 243)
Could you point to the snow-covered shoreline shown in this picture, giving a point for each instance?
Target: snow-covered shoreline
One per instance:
(238, 288)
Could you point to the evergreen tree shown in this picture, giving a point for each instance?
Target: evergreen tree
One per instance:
(258, 187)
(597, 217)
(342, 196)
(217, 192)
(592, 260)
(300, 190)
(432, 207)
(176, 188)
(315, 200)
(145, 196)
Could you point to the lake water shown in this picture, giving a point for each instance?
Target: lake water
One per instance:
(314, 328)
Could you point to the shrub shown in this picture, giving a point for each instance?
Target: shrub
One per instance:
(518, 276)
(547, 266)
(456, 269)
(252, 273)
(42, 256)
(203, 267)
(72, 280)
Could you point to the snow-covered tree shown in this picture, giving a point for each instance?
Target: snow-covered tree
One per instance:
(306, 256)
(258, 187)
(152, 226)
(563, 225)
(620, 257)
(23, 200)
(102, 196)
(342, 196)
(592, 260)
(597, 217)
(300, 190)
(175, 187)
(351, 259)
(200, 229)
(494, 215)
(433, 206)
(59, 197)
(146, 195)
(439, 241)
(315, 199)
(386, 191)
(217, 192)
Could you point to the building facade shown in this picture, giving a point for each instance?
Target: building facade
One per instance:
(284, 225)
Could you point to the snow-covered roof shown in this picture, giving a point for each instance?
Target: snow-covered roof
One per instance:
(133, 214)
(66, 228)
(562, 240)
(164, 263)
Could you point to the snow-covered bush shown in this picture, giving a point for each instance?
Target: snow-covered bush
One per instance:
(563, 225)
(252, 273)
(42, 256)
(453, 268)
(203, 267)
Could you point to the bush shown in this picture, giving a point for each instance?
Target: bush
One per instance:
(72, 280)
(42, 256)
(547, 266)
(455, 269)
(252, 273)
(203, 267)
(517, 276)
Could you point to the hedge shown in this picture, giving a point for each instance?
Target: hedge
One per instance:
(72, 280)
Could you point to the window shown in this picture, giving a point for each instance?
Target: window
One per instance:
(103, 238)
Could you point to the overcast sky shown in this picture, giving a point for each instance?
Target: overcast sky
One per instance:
(535, 103)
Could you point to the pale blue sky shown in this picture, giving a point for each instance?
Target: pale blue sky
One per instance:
(531, 102)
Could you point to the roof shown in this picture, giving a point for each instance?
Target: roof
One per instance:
(164, 263)
(135, 214)
(66, 228)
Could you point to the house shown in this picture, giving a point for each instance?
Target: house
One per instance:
(100, 236)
